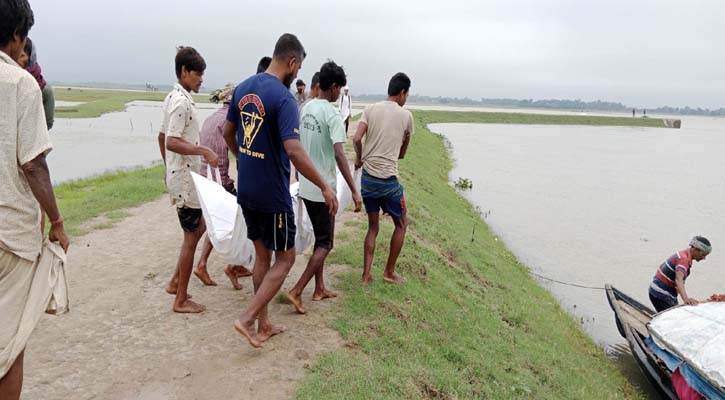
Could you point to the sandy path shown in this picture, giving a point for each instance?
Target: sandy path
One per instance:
(121, 340)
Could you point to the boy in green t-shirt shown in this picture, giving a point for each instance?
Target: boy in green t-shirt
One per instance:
(322, 134)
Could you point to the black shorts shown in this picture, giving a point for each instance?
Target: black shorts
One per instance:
(322, 223)
(661, 303)
(189, 218)
(275, 230)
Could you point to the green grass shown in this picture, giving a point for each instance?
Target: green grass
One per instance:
(107, 196)
(470, 322)
(428, 117)
(101, 101)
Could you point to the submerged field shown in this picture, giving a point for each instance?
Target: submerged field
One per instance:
(100, 101)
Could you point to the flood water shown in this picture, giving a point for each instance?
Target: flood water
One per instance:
(596, 205)
(84, 147)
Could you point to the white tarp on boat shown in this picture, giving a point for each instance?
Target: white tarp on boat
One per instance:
(696, 334)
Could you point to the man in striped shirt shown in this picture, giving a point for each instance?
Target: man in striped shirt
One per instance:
(669, 280)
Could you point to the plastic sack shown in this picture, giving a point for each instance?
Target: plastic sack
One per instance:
(305, 236)
(225, 224)
(344, 194)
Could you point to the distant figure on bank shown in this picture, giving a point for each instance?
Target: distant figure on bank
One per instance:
(264, 64)
(314, 88)
(323, 137)
(669, 281)
(388, 127)
(212, 136)
(24, 192)
(29, 61)
(263, 124)
(300, 94)
(634, 111)
(346, 107)
(180, 149)
(644, 112)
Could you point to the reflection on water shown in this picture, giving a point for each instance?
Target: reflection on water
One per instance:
(590, 205)
(85, 147)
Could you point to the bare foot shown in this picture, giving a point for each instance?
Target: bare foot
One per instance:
(204, 277)
(229, 272)
(366, 279)
(265, 333)
(297, 302)
(171, 290)
(394, 278)
(189, 306)
(325, 294)
(247, 330)
(242, 271)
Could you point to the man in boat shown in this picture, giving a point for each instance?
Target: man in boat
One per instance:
(669, 280)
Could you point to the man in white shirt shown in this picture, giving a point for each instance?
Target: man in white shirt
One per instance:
(346, 107)
(181, 151)
(25, 189)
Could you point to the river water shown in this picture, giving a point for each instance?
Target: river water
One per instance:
(84, 147)
(595, 205)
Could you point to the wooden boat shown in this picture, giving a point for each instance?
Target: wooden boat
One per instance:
(631, 317)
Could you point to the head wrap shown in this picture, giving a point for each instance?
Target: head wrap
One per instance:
(223, 95)
(701, 243)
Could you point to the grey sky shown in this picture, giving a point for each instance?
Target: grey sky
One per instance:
(644, 53)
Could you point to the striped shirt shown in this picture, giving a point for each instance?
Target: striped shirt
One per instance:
(663, 283)
(212, 136)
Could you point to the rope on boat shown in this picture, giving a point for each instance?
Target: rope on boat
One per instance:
(565, 283)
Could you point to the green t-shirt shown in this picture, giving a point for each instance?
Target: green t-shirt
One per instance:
(320, 128)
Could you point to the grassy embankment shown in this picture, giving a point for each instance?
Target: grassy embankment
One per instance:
(470, 322)
(101, 101)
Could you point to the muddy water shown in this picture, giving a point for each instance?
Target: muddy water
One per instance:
(86, 147)
(591, 205)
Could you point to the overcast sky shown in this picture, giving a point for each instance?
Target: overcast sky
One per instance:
(642, 53)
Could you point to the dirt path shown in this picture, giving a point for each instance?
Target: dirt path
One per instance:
(121, 340)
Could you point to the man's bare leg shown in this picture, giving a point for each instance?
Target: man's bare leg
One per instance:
(369, 248)
(182, 304)
(233, 276)
(396, 245)
(241, 271)
(313, 265)
(12, 383)
(262, 262)
(200, 271)
(265, 291)
(321, 291)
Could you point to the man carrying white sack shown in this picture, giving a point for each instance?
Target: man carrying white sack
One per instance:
(25, 190)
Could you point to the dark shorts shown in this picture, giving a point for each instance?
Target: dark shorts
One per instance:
(661, 303)
(322, 223)
(275, 230)
(386, 194)
(189, 218)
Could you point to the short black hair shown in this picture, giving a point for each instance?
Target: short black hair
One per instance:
(16, 16)
(398, 83)
(264, 64)
(190, 58)
(332, 74)
(289, 46)
(300, 82)
(315, 80)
